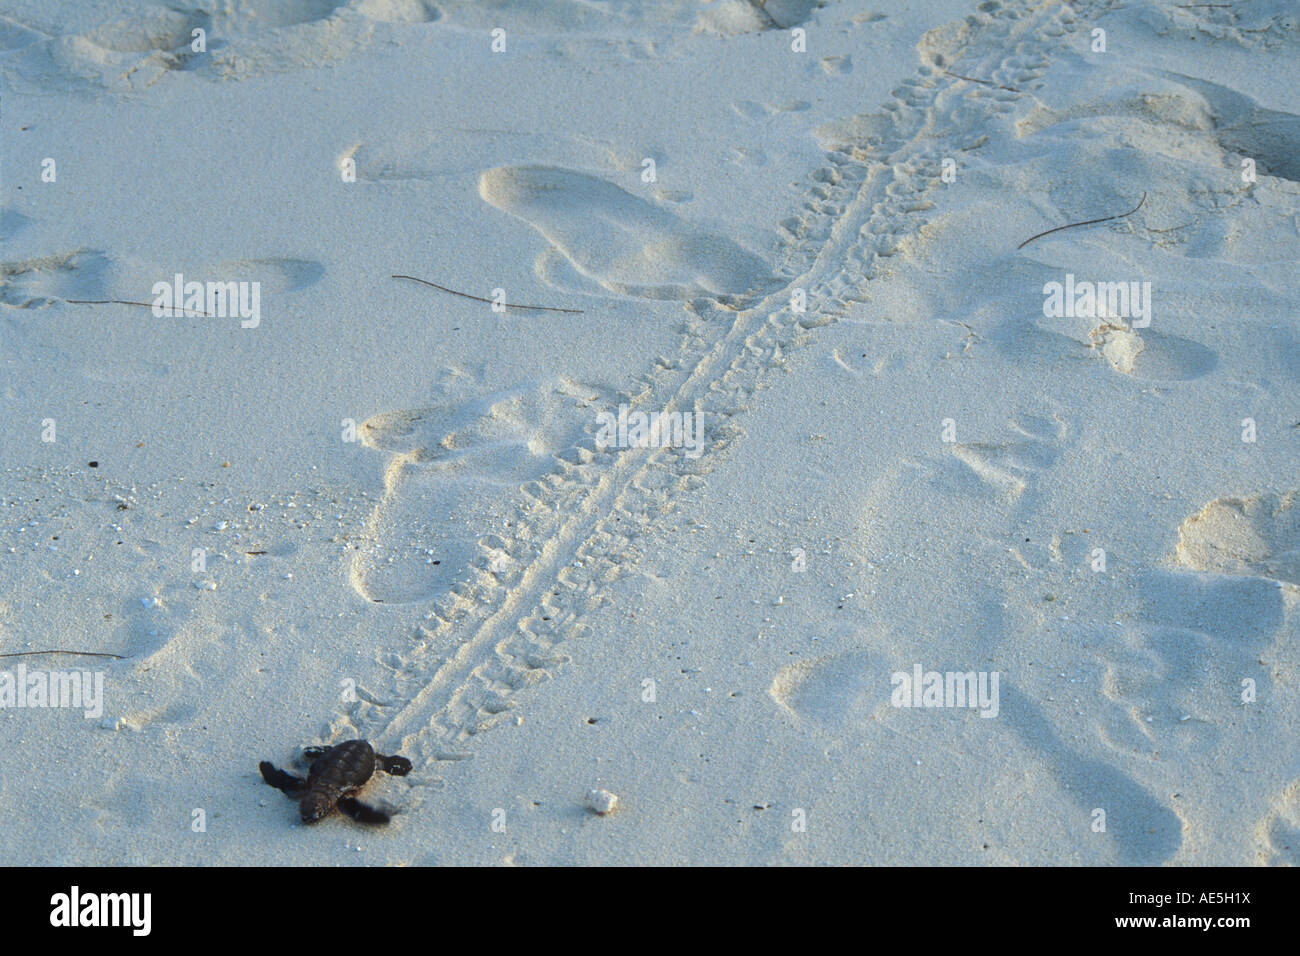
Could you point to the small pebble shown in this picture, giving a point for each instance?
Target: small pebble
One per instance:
(601, 802)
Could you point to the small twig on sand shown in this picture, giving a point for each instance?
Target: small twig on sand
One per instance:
(145, 305)
(971, 79)
(79, 653)
(1087, 223)
(477, 298)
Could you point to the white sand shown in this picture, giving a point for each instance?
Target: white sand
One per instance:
(503, 592)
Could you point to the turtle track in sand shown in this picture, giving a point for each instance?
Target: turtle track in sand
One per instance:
(501, 627)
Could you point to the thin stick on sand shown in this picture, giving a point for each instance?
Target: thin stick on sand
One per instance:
(78, 653)
(476, 298)
(1087, 223)
(971, 79)
(145, 305)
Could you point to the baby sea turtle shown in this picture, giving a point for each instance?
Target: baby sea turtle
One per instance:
(336, 774)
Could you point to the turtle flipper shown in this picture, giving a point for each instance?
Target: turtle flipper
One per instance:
(284, 782)
(397, 766)
(361, 812)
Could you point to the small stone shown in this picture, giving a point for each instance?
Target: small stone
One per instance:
(601, 802)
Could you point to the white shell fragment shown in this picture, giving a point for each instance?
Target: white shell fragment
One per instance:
(601, 802)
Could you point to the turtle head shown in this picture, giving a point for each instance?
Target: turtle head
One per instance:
(316, 804)
(397, 766)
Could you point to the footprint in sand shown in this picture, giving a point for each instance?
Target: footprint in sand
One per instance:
(36, 283)
(1177, 676)
(1000, 483)
(88, 274)
(276, 274)
(619, 241)
(1139, 352)
(834, 693)
(843, 693)
(400, 11)
(1151, 355)
(1142, 829)
(1204, 626)
(453, 487)
(1257, 535)
(1279, 833)
(1003, 479)
(1009, 467)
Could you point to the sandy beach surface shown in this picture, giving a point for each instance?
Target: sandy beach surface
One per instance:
(817, 517)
